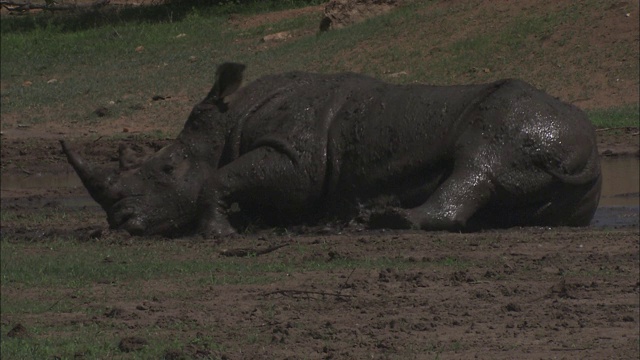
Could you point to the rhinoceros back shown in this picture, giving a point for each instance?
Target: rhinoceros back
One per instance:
(357, 133)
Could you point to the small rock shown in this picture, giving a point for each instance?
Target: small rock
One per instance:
(27, 83)
(173, 354)
(90, 233)
(139, 49)
(132, 343)
(114, 313)
(180, 35)
(19, 332)
(490, 274)
(54, 204)
(513, 307)
(398, 74)
(341, 13)
(101, 111)
(283, 35)
(52, 81)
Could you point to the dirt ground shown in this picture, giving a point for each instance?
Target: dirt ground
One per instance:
(533, 293)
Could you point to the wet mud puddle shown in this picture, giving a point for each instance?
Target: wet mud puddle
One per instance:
(619, 201)
(45, 185)
(621, 182)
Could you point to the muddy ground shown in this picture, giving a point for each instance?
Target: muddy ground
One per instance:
(521, 293)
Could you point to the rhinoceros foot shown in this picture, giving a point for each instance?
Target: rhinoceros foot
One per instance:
(218, 226)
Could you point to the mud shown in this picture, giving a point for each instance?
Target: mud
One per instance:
(621, 181)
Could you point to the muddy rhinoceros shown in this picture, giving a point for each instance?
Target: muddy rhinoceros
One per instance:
(300, 147)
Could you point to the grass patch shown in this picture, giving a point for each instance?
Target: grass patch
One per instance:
(59, 277)
(52, 217)
(40, 346)
(98, 65)
(67, 263)
(90, 341)
(75, 265)
(622, 116)
(167, 11)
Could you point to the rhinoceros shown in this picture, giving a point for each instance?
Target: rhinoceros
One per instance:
(300, 147)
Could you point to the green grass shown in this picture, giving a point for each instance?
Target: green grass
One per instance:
(75, 265)
(89, 341)
(622, 116)
(66, 263)
(58, 277)
(168, 11)
(98, 65)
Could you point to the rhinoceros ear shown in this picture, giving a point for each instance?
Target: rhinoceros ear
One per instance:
(228, 80)
(131, 157)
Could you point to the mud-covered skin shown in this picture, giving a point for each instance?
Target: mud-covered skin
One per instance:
(306, 147)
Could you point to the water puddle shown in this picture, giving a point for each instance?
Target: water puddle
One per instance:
(619, 201)
(620, 182)
(12, 185)
(620, 198)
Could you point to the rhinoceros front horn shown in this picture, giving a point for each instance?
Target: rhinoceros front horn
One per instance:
(95, 180)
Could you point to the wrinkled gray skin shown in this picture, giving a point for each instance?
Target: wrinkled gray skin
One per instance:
(301, 147)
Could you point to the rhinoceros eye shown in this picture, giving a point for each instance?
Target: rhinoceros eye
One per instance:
(167, 169)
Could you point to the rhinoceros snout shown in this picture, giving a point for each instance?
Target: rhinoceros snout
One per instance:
(131, 223)
(134, 226)
(125, 215)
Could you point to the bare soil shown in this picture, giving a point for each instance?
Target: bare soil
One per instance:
(533, 293)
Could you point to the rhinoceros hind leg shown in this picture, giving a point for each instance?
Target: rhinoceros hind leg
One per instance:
(568, 205)
(454, 202)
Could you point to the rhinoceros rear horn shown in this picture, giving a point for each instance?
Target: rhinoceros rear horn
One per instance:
(228, 80)
(93, 179)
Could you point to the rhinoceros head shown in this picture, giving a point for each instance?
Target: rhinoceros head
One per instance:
(158, 193)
